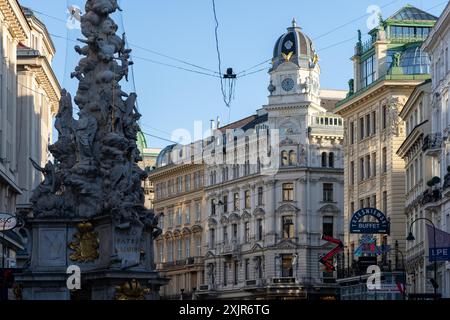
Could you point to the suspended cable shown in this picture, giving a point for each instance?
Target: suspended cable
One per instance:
(253, 72)
(229, 77)
(255, 66)
(172, 58)
(157, 137)
(351, 21)
(176, 67)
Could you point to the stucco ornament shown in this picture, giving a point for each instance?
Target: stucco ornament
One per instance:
(393, 107)
(95, 172)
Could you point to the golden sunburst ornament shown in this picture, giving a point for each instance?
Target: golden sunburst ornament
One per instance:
(86, 244)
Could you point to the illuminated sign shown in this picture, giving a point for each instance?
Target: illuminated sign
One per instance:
(360, 225)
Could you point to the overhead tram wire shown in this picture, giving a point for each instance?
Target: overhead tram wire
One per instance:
(327, 33)
(132, 45)
(230, 77)
(152, 61)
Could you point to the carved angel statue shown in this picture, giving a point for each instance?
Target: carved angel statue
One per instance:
(64, 119)
(85, 131)
(48, 171)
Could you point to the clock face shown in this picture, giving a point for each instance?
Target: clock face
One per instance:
(287, 84)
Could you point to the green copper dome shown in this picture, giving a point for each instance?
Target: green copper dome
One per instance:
(141, 142)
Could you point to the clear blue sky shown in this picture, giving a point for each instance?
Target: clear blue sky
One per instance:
(171, 98)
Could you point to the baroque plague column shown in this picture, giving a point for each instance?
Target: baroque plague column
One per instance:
(89, 210)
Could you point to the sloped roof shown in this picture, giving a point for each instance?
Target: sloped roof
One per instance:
(411, 13)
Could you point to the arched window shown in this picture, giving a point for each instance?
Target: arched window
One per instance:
(331, 160)
(324, 159)
(292, 158)
(284, 158)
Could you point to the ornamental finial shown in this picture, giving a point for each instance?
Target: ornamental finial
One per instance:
(294, 23)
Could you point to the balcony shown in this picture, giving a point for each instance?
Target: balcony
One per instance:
(230, 248)
(430, 198)
(432, 144)
(446, 186)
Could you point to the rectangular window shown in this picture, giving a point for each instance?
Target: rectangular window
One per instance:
(198, 247)
(170, 251)
(352, 208)
(225, 234)
(352, 132)
(352, 173)
(367, 164)
(235, 231)
(260, 196)
(374, 164)
(368, 130)
(188, 214)
(384, 118)
(225, 274)
(384, 160)
(367, 71)
(327, 226)
(384, 202)
(180, 184)
(288, 192)
(198, 212)
(212, 238)
(328, 192)
(225, 203)
(288, 228)
(247, 232)
(259, 231)
(187, 182)
(361, 129)
(170, 216)
(179, 217)
(236, 272)
(361, 169)
(247, 269)
(361, 203)
(188, 247)
(286, 265)
(236, 202)
(161, 252)
(374, 122)
(247, 199)
(373, 203)
(213, 207)
(180, 249)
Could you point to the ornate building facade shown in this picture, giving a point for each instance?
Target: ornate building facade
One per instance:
(29, 94)
(437, 143)
(179, 202)
(418, 172)
(387, 68)
(264, 231)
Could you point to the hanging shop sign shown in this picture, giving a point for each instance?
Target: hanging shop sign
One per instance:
(358, 224)
(7, 221)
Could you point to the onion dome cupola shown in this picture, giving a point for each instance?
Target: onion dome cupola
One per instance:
(296, 47)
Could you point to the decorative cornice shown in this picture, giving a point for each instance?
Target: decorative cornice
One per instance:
(14, 17)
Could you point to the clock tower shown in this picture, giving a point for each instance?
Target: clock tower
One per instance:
(295, 72)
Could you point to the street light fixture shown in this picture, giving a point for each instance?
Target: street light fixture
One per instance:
(411, 238)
